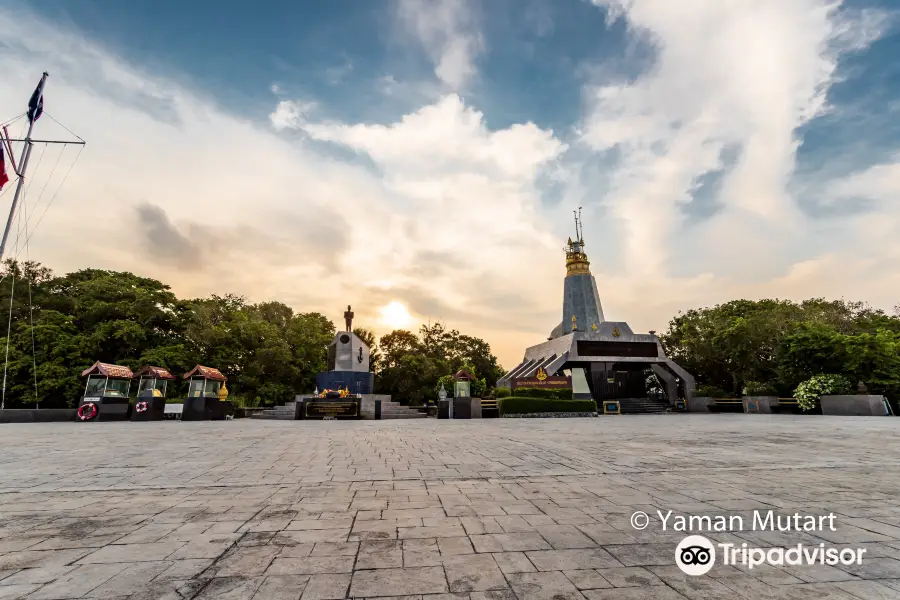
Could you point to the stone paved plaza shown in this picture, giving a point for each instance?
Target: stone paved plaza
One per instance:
(510, 508)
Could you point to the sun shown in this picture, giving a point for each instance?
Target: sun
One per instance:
(395, 315)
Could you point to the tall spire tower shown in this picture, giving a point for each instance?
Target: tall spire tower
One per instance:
(582, 310)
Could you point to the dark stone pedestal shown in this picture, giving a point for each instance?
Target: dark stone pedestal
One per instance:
(109, 408)
(378, 410)
(204, 409)
(443, 409)
(156, 409)
(462, 408)
(332, 408)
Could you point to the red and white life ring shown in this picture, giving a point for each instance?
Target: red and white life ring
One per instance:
(141, 406)
(87, 411)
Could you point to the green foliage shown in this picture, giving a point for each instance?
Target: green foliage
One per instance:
(809, 391)
(550, 394)
(711, 391)
(779, 344)
(502, 392)
(755, 388)
(413, 366)
(527, 405)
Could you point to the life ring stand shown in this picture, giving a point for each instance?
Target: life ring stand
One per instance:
(141, 406)
(87, 411)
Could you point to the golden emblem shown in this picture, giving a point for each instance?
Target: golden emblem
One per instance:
(616, 332)
(541, 374)
(574, 323)
(594, 327)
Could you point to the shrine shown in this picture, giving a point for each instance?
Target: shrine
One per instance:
(596, 358)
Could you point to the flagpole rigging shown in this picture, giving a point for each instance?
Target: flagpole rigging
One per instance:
(33, 115)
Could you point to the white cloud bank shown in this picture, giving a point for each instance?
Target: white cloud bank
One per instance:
(445, 214)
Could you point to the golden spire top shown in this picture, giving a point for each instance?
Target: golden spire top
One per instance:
(576, 260)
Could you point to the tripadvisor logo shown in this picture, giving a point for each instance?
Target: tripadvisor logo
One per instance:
(695, 555)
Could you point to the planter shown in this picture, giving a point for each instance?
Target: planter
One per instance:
(763, 404)
(699, 404)
(853, 406)
(37, 415)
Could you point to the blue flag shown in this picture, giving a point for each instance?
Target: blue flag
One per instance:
(36, 104)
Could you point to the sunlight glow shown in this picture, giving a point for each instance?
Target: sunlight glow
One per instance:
(395, 315)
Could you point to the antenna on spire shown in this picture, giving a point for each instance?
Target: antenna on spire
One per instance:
(578, 226)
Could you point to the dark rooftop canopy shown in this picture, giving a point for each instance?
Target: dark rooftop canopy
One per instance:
(157, 372)
(207, 372)
(108, 370)
(463, 375)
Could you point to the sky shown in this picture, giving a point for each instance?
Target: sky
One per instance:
(420, 160)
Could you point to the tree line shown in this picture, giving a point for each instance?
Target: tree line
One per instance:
(61, 325)
(771, 346)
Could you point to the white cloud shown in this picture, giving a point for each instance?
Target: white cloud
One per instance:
(449, 34)
(290, 114)
(727, 75)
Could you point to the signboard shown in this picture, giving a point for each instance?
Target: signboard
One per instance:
(541, 380)
(554, 383)
(331, 409)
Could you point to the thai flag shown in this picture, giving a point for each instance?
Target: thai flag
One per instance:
(36, 104)
(4, 179)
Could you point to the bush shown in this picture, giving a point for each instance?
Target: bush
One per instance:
(711, 391)
(523, 405)
(755, 388)
(502, 392)
(544, 393)
(809, 392)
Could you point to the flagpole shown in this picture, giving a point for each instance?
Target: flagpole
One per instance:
(26, 154)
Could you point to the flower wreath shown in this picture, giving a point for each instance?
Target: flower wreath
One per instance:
(141, 406)
(87, 411)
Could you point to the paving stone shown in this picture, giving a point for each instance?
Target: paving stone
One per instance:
(132, 553)
(230, 588)
(79, 582)
(131, 579)
(380, 554)
(311, 565)
(630, 577)
(551, 585)
(282, 587)
(386, 582)
(587, 579)
(565, 536)
(14, 592)
(252, 560)
(326, 587)
(473, 573)
(513, 562)
(458, 545)
(527, 496)
(570, 560)
(509, 542)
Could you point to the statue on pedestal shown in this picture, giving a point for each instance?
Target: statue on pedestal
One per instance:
(348, 319)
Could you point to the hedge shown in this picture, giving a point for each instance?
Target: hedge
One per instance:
(520, 405)
(545, 393)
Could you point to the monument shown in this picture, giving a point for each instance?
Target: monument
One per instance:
(348, 362)
(605, 360)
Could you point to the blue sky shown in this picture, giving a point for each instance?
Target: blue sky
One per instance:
(430, 152)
